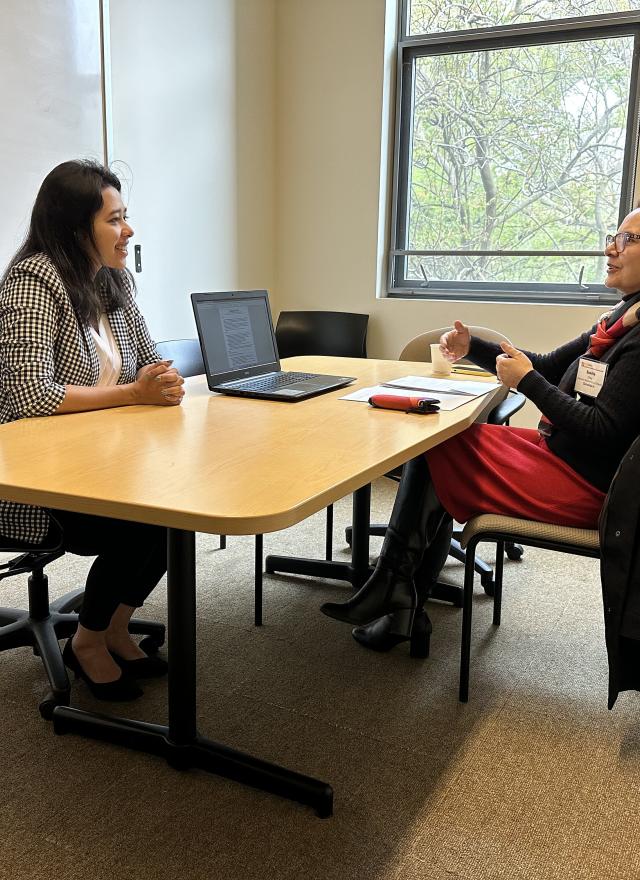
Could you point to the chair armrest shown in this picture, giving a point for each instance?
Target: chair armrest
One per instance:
(501, 414)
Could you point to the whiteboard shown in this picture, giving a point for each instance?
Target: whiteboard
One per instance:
(50, 100)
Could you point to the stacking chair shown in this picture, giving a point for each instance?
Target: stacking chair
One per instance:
(43, 623)
(419, 349)
(499, 530)
(338, 334)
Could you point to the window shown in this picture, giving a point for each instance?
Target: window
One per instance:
(516, 147)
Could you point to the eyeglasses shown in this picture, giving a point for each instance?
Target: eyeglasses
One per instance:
(620, 240)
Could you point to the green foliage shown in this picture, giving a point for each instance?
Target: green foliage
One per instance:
(518, 148)
(428, 16)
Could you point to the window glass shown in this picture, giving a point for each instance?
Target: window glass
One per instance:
(516, 149)
(429, 16)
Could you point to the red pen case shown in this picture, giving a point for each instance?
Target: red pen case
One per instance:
(422, 405)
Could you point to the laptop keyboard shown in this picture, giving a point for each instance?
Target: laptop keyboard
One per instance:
(270, 383)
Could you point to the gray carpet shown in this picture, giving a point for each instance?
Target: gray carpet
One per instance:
(533, 778)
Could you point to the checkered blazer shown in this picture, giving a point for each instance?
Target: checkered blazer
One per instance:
(44, 347)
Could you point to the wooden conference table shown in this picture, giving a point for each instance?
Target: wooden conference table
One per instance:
(222, 465)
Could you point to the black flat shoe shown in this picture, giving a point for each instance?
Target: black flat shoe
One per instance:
(120, 690)
(386, 632)
(142, 667)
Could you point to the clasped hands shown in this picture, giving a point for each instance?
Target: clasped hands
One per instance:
(511, 366)
(159, 384)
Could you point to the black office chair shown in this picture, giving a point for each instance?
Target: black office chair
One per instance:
(341, 334)
(338, 334)
(44, 623)
(419, 349)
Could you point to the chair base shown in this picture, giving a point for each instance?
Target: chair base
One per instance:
(19, 629)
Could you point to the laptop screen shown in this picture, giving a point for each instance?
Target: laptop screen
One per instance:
(236, 332)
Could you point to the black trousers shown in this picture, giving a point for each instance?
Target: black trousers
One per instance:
(131, 559)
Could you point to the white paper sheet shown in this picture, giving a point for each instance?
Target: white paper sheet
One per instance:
(447, 401)
(450, 386)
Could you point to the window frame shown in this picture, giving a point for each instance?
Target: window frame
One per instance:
(503, 36)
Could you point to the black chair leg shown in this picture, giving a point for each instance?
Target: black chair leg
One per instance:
(10, 615)
(467, 611)
(480, 566)
(154, 633)
(68, 603)
(46, 639)
(15, 634)
(257, 606)
(376, 530)
(223, 542)
(497, 598)
(328, 554)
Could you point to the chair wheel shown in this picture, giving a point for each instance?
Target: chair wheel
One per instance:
(489, 587)
(486, 579)
(348, 535)
(151, 644)
(514, 552)
(49, 703)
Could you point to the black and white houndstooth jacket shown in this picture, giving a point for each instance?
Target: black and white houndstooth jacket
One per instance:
(44, 347)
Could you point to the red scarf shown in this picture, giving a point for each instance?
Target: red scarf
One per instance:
(604, 337)
(599, 342)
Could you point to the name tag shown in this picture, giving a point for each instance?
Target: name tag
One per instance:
(591, 376)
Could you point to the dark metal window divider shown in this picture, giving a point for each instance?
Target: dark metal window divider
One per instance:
(503, 36)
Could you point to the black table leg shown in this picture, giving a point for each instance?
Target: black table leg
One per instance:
(355, 572)
(179, 742)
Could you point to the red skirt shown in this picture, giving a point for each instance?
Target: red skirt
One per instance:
(510, 471)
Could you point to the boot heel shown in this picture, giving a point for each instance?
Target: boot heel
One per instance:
(420, 643)
(386, 632)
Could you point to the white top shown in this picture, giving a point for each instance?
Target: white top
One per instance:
(108, 352)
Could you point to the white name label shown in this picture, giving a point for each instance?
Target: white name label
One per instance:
(591, 376)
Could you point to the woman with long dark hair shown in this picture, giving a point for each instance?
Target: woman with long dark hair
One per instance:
(72, 339)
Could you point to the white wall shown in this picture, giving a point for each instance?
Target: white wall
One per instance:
(50, 101)
(330, 65)
(193, 91)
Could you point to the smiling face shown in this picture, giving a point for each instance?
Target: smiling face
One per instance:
(111, 232)
(623, 269)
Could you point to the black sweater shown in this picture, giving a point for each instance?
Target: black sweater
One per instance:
(590, 433)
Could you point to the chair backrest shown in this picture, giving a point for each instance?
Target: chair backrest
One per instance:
(185, 353)
(418, 349)
(343, 334)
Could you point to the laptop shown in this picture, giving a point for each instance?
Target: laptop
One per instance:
(240, 353)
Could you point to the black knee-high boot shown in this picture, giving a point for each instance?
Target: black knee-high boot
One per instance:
(379, 635)
(390, 590)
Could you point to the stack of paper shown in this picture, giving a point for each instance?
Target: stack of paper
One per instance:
(451, 393)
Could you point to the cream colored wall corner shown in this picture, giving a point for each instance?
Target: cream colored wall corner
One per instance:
(255, 82)
(329, 157)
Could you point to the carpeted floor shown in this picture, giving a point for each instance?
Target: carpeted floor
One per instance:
(533, 778)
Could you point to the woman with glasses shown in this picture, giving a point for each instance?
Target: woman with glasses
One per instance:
(586, 391)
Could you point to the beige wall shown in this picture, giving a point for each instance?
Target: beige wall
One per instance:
(329, 130)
